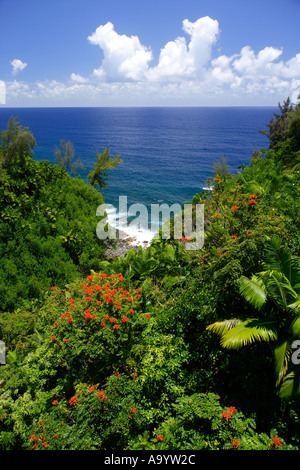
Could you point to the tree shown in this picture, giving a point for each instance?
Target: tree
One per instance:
(64, 156)
(275, 294)
(98, 176)
(221, 169)
(279, 124)
(16, 142)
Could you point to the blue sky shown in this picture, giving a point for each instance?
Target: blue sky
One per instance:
(141, 53)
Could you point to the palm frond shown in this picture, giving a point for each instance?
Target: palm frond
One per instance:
(290, 386)
(278, 287)
(282, 354)
(221, 327)
(295, 326)
(253, 290)
(248, 332)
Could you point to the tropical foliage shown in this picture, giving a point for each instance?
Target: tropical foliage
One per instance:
(162, 348)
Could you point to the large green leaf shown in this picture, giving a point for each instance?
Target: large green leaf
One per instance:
(253, 290)
(221, 327)
(290, 385)
(282, 354)
(248, 332)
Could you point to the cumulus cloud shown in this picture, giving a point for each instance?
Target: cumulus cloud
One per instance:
(124, 56)
(76, 77)
(187, 71)
(179, 59)
(18, 65)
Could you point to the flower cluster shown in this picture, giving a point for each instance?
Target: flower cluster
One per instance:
(104, 303)
(227, 414)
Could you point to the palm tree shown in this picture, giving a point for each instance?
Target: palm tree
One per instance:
(275, 295)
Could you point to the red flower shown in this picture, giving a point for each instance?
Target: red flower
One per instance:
(89, 298)
(113, 320)
(116, 326)
(124, 319)
(52, 338)
(217, 215)
(235, 443)
(147, 315)
(106, 317)
(55, 402)
(277, 442)
(131, 311)
(252, 201)
(226, 415)
(73, 401)
(232, 409)
(233, 236)
(235, 208)
(160, 438)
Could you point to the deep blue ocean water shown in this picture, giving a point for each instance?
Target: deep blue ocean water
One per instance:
(168, 153)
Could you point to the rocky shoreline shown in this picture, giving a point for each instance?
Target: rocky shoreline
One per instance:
(121, 245)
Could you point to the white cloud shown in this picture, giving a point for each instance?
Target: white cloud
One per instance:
(75, 77)
(124, 56)
(186, 72)
(18, 66)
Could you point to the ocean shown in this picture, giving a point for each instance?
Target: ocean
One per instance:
(168, 153)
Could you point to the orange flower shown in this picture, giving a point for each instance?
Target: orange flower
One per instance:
(226, 415)
(55, 402)
(73, 401)
(116, 326)
(124, 319)
(235, 443)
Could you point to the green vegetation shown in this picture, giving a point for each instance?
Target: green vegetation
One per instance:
(163, 348)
